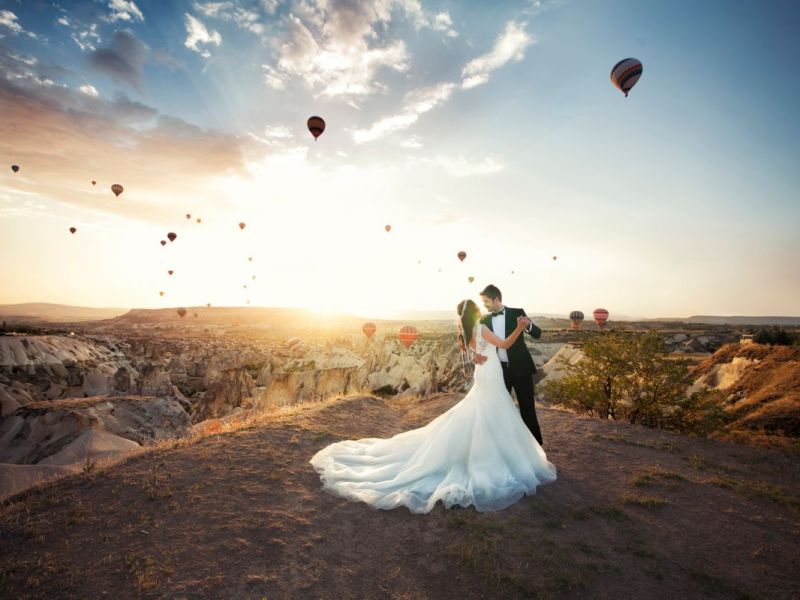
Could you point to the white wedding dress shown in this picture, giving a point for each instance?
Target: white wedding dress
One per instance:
(479, 453)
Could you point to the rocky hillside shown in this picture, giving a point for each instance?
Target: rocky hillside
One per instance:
(634, 513)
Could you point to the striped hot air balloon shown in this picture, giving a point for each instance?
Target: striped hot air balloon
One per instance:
(576, 317)
(408, 335)
(369, 329)
(600, 317)
(316, 125)
(625, 74)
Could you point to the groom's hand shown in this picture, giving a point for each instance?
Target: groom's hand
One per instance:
(479, 359)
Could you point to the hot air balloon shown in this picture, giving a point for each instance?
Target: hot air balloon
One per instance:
(462, 255)
(245, 286)
(250, 258)
(368, 329)
(242, 225)
(181, 312)
(72, 230)
(15, 168)
(117, 189)
(199, 220)
(188, 216)
(408, 334)
(316, 125)
(94, 182)
(470, 279)
(576, 317)
(170, 271)
(555, 257)
(388, 228)
(600, 317)
(625, 74)
(160, 293)
(172, 236)
(254, 277)
(248, 301)
(163, 242)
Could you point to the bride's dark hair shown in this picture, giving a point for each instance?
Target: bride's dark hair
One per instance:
(469, 316)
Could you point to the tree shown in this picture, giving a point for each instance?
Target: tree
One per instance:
(629, 376)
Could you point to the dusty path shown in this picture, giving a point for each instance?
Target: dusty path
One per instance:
(634, 513)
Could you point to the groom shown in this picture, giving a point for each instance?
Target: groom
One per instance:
(518, 367)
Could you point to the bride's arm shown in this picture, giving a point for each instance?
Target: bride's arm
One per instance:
(506, 343)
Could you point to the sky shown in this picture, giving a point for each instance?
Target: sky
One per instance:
(491, 128)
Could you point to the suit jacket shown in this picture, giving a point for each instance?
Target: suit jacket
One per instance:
(520, 362)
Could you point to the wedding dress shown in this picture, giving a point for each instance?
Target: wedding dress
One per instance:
(479, 452)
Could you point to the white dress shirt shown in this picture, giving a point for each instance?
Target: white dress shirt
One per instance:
(499, 329)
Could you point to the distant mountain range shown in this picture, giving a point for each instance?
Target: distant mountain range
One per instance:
(44, 311)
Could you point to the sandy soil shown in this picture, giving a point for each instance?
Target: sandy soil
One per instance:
(634, 513)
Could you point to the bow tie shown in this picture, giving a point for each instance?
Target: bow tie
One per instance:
(497, 314)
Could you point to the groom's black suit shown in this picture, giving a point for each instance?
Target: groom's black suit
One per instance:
(518, 371)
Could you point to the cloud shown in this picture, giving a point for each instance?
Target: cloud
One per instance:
(416, 104)
(89, 90)
(68, 137)
(86, 39)
(509, 46)
(198, 35)
(9, 19)
(123, 60)
(459, 166)
(123, 10)
(338, 46)
(245, 18)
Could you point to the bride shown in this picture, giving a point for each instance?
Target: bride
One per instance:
(479, 452)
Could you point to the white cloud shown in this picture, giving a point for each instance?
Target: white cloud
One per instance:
(86, 39)
(89, 90)
(124, 10)
(443, 22)
(416, 103)
(411, 142)
(197, 35)
(458, 166)
(280, 132)
(63, 21)
(509, 46)
(273, 78)
(245, 18)
(270, 5)
(9, 19)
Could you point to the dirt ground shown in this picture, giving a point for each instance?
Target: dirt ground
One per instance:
(634, 513)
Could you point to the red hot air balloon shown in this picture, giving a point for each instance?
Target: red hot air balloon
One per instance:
(172, 236)
(15, 168)
(369, 330)
(170, 271)
(117, 189)
(600, 317)
(242, 225)
(181, 312)
(462, 255)
(316, 125)
(72, 230)
(576, 317)
(408, 335)
(388, 228)
(163, 242)
(625, 74)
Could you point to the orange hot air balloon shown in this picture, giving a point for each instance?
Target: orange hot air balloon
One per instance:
(170, 271)
(462, 255)
(72, 230)
(408, 335)
(388, 228)
(188, 216)
(94, 182)
(470, 279)
(181, 312)
(172, 236)
(117, 189)
(316, 125)
(15, 168)
(600, 317)
(242, 225)
(163, 242)
(369, 329)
